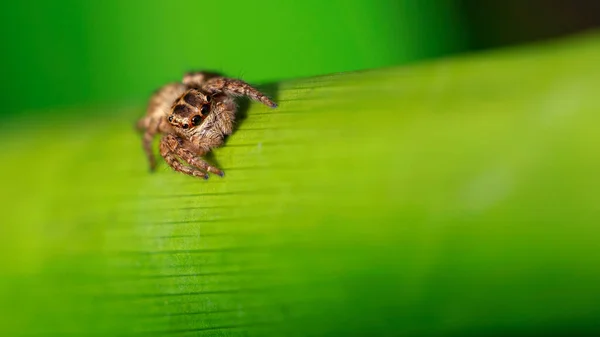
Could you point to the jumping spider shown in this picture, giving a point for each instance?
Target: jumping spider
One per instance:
(194, 116)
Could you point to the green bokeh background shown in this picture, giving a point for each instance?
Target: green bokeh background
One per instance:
(81, 52)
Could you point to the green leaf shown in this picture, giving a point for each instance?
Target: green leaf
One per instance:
(458, 196)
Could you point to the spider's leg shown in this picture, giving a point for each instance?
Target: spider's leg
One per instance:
(147, 143)
(142, 124)
(235, 87)
(189, 156)
(172, 161)
(159, 103)
(193, 160)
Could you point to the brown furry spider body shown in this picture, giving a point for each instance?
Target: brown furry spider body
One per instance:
(194, 117)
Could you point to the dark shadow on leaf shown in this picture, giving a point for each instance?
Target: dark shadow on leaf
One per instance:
(271, 90)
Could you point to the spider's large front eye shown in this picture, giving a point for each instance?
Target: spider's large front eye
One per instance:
(196, 120)
(205, 108)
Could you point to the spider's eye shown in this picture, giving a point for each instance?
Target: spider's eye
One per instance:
(170, 118)
(185, 126)
(196, 120)
(208, 98)
(205, 109)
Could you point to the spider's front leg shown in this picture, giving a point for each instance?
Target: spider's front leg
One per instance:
(192, 159)
(166, 144)
(174, 147)
(233, 87)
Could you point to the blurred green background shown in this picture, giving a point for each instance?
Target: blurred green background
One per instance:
(83, 52)
(114, 51)
(446, 188)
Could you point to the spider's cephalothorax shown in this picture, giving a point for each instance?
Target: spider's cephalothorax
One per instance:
(194, 117)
